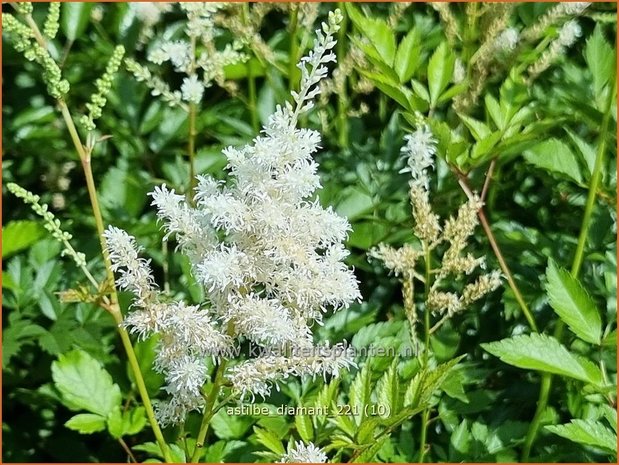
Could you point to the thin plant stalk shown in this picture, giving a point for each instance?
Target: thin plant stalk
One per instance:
(499, 255)
(425, 416)
(251, 81)
(191, 142)
(191, 149)
(209, 411)
(596, 177)
(342, 97)
(113, 307)
(293, 52)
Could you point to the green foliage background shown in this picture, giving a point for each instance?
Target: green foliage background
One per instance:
(544, 159)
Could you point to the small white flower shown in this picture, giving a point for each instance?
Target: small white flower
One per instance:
(507, 40)
(186, 376)
(301, 453)
(192, 89)
(420, 149)
(135, 274)
(569, 33)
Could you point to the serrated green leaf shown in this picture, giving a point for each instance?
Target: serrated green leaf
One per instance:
(84, 384)
(440, 71)
(74, 18)
(601, 59)
(586, 150)
(304, 426)
(494, 110)
(367, 455)
(570, 301)
(388, 390)
(269, 440)
(408, 55)
(544, 353)
(126, 423)
(86, 423)
(555, 156)
(19, 235)
(587, 432)
(115, 422)
(360, 392)
(427, 382)
(478, 129)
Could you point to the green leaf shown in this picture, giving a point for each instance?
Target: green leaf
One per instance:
(305, 427)
(440, 71)
(115, 422)
(544, 353)
(126, 423)
(570, 301)
(86, 423)
(478, 129)
(361, 391)
(555, 156)
(269, 440)
(587, 432)
(388, 390)
(402, 95)
(601, 59)
(427, 382)
(494, 110)
(84, 384)
(19, 235)
(587, 151)
(74, 19)
(228, 426)
(408, 55)
(377, 31)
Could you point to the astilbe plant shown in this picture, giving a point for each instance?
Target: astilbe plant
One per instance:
(405, 261)
(270, 261)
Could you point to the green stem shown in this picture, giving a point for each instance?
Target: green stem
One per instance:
(342, 97)
(425, 416)
(253, 106)
(139, 381)
(113, 307)
(499, 255)
(251, 79)
(596, 177)
(293, 52)
(209, 411)
(191, 150)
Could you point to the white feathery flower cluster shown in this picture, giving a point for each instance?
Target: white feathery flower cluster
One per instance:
(187, 334)
(256, 376)
(195, 55)
(420, 149)
(150, 12)
(269, 259)
(192, 89)
(301, 453)
(507, 40)
(568, 35)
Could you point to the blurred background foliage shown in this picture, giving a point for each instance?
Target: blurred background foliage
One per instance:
(534, 205)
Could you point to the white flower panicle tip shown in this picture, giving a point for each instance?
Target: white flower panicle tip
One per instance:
(420, 149)
(301, 453)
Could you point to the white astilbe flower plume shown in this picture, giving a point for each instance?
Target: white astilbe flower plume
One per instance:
(420, 149)
(301, 453)
(270, 260)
